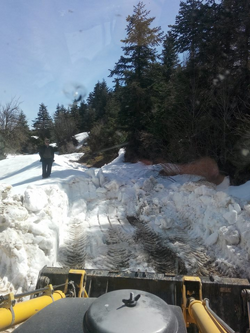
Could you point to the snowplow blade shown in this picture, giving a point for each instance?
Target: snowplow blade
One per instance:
(225, 294)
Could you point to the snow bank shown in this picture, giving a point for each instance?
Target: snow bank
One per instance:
(29, 228)
(203, 212)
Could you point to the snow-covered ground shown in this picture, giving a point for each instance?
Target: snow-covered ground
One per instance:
(89, 208)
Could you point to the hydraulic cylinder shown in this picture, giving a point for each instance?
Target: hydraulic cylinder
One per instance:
(21, 311)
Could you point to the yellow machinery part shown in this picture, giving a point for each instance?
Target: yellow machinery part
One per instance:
(24, 310)
(191, 287)
(79, 277)
(194, 309)
(202, 319)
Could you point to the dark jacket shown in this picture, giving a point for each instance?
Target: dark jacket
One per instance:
(46, 152)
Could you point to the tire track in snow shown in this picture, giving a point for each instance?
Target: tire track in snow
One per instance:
(174, 254)
(179, 254)
(191, 255)
(120, 245)
(161, 257)
(195, 256)
(118, 254)
(200, 260)
(72, 254)
(108, 241)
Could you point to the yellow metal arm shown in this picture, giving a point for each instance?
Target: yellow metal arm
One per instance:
(15, 314)
(205, 322)
(196, 310)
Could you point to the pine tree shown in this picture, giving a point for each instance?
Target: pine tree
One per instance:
(169, 56)
(106, 134)
(87, 117)
(43, 123)
(197, 33)
(65, 126)
(186, 29)
(133, 71)
(215, 76)
(75, 115)
(22, 133)
(97, 100)
(60, 110)
(237, 13)
(140, 47)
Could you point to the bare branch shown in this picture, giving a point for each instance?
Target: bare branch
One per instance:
(9, 114)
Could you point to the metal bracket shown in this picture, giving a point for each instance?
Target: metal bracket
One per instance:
(49, 291)
(7, 301)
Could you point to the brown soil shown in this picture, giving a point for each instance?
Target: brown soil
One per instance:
(97, 161)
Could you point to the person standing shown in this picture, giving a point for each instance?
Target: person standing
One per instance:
(47, 158)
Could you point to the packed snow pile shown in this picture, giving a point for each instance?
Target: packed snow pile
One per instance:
(40, 219)
(81, 139)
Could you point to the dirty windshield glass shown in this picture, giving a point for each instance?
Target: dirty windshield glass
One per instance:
(124, 140)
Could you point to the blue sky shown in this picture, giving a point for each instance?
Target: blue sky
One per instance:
(50, 47)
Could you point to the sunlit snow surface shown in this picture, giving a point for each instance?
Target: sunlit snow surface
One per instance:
(41, 218)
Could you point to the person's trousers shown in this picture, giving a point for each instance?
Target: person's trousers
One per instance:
(47, 165)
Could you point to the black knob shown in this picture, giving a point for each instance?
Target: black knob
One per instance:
(132, 300)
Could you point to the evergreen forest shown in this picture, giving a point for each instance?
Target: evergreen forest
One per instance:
(176, 96)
